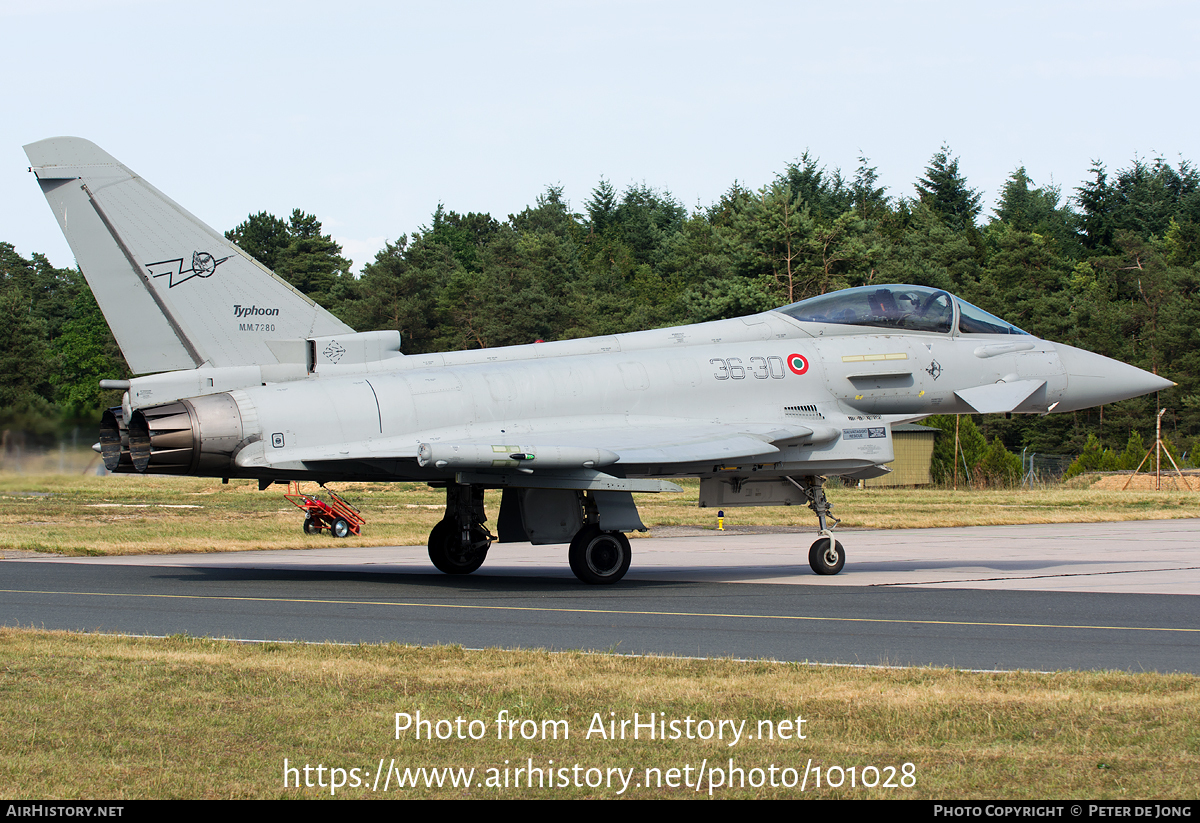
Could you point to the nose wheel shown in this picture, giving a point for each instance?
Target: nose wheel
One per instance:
(826, 556)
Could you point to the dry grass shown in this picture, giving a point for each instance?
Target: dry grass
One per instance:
(88, 716)
(126, 514)
(1170, 481)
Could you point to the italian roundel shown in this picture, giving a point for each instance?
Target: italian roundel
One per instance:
(798, 363)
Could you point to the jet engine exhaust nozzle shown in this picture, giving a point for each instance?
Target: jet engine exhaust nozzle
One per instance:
(194, 436)
(114, 441)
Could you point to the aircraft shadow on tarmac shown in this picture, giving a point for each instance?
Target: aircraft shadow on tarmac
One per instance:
(871, 573)
(478, 583)
(1069, 565)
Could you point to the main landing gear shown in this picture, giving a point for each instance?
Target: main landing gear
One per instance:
(459, 543)
(826, 556)
(599, 557)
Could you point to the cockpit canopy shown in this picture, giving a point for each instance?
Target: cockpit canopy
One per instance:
(904, 308)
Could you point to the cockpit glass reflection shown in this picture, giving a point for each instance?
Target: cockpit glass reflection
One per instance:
(974, 320)
(911, 308)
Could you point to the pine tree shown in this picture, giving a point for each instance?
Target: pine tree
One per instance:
(602, 207)
(262, 236)
(945, 191)
(869, 199)
(296, 250)
(1096, 200)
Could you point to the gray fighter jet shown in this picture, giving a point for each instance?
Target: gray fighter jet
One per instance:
(244, 376)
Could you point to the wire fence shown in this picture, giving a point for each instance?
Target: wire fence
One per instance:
(1039, 469)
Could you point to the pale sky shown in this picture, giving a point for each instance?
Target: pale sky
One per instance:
(369, 114)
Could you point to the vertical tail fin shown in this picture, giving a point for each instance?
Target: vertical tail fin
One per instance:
(176, 294)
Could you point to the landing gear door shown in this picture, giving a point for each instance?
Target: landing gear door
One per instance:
(557, 515)
(551, 515)
(618, 512)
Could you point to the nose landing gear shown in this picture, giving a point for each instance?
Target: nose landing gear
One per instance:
(826, 556)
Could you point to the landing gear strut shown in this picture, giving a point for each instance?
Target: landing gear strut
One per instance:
(826, 556)
(459, 543)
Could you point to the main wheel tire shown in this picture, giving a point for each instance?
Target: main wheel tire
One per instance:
(311, 526)
(446, 551)
(825, 560)
(599, 557)
(340, 528)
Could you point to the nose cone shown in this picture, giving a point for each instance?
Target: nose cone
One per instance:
(1094, 380)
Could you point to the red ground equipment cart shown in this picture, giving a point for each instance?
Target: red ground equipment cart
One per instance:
(337, 516)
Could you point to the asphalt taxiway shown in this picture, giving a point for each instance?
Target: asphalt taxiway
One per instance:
(1045, 597)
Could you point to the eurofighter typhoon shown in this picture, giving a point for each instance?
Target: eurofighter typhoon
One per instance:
(243, 376)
